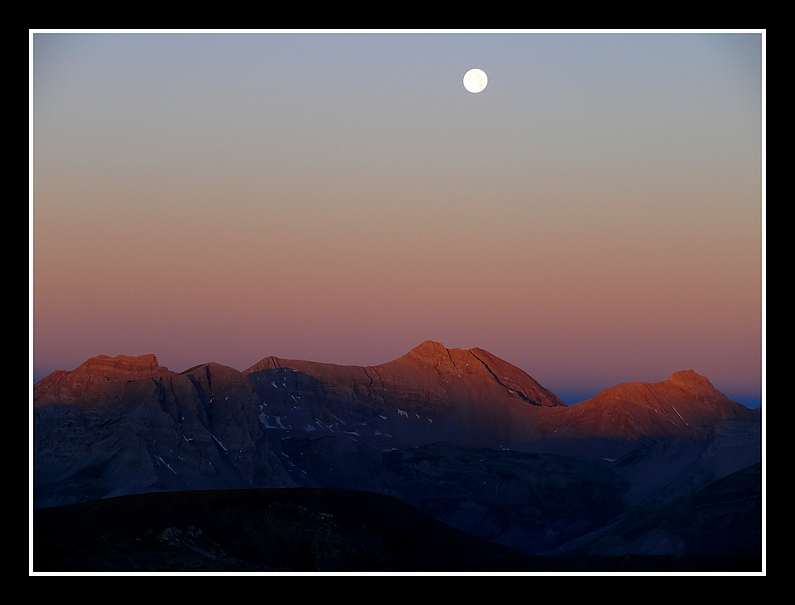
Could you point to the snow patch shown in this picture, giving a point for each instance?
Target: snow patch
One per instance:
(264, 420)
(680, 415)
(218, 442)
(323, 426)
(402, 413)
(164, 463)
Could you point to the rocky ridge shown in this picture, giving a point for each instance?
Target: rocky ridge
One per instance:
(96, 377)
(462, 435)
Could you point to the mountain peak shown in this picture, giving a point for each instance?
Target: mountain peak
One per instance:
(482, 375)
(695, 385)
(430, 345)
(689, 377)
(95, 375)
(122, 366)
(684, 401)
(429, 349)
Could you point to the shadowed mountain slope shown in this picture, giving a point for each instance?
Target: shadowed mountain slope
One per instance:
(463, 436)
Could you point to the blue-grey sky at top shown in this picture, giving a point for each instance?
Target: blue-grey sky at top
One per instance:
(322, 98)
(544, 219)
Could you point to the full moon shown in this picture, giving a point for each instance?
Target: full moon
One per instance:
(475, 80)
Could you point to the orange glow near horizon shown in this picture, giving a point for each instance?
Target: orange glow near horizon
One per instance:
(591, 226)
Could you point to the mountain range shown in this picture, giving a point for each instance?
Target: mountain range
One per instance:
(466, 438)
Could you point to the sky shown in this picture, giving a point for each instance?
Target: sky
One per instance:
(594, 216)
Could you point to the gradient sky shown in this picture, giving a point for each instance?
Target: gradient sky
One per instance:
(593, 217)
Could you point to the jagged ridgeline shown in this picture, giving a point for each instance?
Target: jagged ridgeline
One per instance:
(463, 436)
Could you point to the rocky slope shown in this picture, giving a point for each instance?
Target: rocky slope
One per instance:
(431, 379)
(685, 403)
(98, 377)
(465, 437)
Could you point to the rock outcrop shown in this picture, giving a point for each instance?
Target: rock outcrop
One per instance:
(97, 377)
(429, 379)
(683, 405)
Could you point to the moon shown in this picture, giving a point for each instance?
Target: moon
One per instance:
(475, 80)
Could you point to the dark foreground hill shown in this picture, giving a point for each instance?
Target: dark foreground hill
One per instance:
(294, 530)
(266, 530)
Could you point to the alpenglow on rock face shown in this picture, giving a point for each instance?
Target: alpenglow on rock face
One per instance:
(123, 366)
(430, 378)
(96, 376)
(683, 404)
(462, 435)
